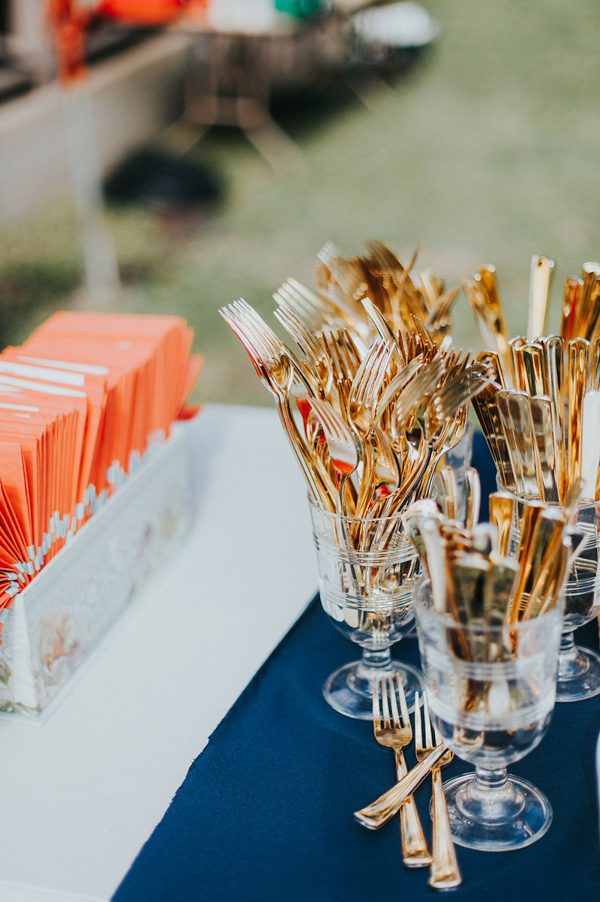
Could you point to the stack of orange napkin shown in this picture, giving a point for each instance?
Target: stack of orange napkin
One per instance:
(81, 402)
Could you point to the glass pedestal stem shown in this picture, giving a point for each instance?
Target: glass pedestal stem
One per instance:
(567, 659)
(377, 661)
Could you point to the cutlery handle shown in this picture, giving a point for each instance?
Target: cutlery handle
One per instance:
(444, 873)
(415, 853)
(319, 492)
(388, 804)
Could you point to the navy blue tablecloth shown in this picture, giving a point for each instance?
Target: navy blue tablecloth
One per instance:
(265, 812)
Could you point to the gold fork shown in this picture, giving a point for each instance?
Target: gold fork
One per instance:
(314, 352)
(344, 364)
(344, 449)
(445, 421)
(379, 467)
(393, 730)
(444, 873)
(367, 383)
(275, 370)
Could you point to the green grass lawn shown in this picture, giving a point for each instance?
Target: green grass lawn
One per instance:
(488, 151)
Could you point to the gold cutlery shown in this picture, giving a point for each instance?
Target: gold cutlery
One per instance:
(590, 300)
(444, 873)
(473, 497)
(542, 270)
(276, 372)
(448, 497)
(382, 327)
(487, 410)
(576, 383)
(511, 442)
(344, 450)
(393, 730)
(502, 515)
(383, 809)
(518, 414)
(573, 291)
(559, 368)
(370, 400)
(314, 352)
(438, 319)
(531, 368)
(345, 361)
(540, 409)
(482, 292)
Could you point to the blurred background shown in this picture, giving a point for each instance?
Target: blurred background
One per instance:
(232, 138)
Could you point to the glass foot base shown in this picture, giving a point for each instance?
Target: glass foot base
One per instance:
(581, 679)
(516, 821)
(349, 689)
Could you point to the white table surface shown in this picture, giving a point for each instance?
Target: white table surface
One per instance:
(81, 793)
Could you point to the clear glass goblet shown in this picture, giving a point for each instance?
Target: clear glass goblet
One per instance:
(491, 706)
(579, 668)
(367, 570)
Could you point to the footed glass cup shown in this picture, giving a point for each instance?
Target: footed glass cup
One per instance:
(579, 668)
(367, 594)
(491, 709)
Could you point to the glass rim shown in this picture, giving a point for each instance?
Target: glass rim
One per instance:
(343, 518)
(582, 504)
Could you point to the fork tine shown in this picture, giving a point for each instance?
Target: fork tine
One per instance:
(378, 320)
(427, 721)
(418, 725)
(242, 332)
(329, 420)
(423, 383)
(349, 354)
(271, 339)
(316, 318)
(457, 394)
(330, 347)
(365, 367)
(402, 699)
(396, 386)
(367, 384)
(300, 332)
(376, 706)
(373, 363)
(320, 307)
(339, 429)
(371, 390)
(303, 291)
(248, 327)
(328, 253)
(240, 310)
(393, 703)
(337, 360)
(385, 705)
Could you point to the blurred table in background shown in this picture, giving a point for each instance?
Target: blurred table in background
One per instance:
(244, 50)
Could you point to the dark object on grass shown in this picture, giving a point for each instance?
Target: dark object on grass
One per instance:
(164, 182)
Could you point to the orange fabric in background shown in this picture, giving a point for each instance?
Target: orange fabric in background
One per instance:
(68, 20)
(145, 12)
